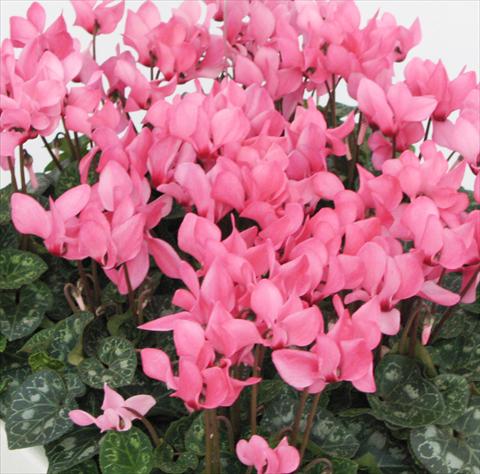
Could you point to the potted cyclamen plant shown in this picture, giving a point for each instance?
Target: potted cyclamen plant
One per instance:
(251, 275)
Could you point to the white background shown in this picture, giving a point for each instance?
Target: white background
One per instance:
(450, 32)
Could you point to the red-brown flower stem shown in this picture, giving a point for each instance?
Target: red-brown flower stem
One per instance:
(97, 290)
(77, 144)
(402, 347)
(208, 443)
(394, 146)
(298, 416)
(148, 426)
(23, 182)
(13, 178)
(131, 296)
(353, 162)
(308, 428)
(228, 426)
(333, 102)
(51, 153)
(94, 41)
(69, 141)
(86, 284)
(259, 353)
(427, 131)
(449, 312)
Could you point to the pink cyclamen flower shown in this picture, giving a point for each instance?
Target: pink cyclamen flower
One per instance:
(281, 460)
(118, 413)
(98, 19)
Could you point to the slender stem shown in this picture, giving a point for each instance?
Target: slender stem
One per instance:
(308, 428)
(208, 443)
(22, 170)
(85, 283)
(228, 425)
(259, 352)
(451, 156)
(151, 72)
(449, 313)
(94, 43)
(97, 290)
(406, 330)
(215, 441)
(298, 416)
(148, 426)
(131, 296)
(333, 103)
(394, 146)
(77, 144)
(413, 334)
(13, 178)
(351, 165)
(69, 140)
(429, 123)
(52, 155)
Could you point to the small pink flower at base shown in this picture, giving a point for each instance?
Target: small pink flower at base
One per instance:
(281, 460)
(118, 413)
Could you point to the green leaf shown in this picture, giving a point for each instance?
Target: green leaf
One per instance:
(126, 452)
(75, 387)
(39, 411)
(18, 268)
(456, 393)
(164, 460)
(3, 343)
(20, 318)
(8, 237)
(403, 397)
(175, 434)
(280, 412)
(332, 436)
(379, 452)
(12, 375)
(72, 449)
(41, 360)
(40, 341)
(115, 365)
(5, 195)
(332, 465)
(87, 467)
(460, 355)
(68, 178)
(441, 452)
(195, 436)
(93, 334)
(67, 334)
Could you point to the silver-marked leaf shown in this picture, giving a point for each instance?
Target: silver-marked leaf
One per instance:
(115, 365)
(72, 449)
(68, 333)
(378, 447)
(40, 341)
(41, 360)
(20, 318)
(18, 268)
(5, 195)
(12, 375)
(469, 422)
(460, 355)
(75, 387)
(126, 452)
(403, 397)
(332, 436)
(166, 462)
(39, 411)
(8, 237)
(456, 393)
(87, 467)
(441, 452)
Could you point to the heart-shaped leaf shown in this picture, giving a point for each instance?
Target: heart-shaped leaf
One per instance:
(379, 451)
(460, 355)
(41, 360)
(115, 365)
(67, 334)
(20, 316)
(332, 436)
(126, 452)
(164, 460)
(456, 393)
(18, 268)
(72, 449)
(39, 411)
(403, 397)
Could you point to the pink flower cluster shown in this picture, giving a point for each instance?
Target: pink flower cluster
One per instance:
(248, 144)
